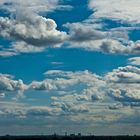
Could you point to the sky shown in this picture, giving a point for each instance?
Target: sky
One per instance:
(70, 66)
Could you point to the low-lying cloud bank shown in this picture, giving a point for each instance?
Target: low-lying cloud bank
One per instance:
(77, 93)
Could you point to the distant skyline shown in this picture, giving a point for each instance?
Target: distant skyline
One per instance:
(68, 65)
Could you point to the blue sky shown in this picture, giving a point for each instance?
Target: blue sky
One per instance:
(71, 66)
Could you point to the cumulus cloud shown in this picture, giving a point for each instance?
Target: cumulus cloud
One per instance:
(93, 35)
(19, 47)
(123, 85)
(32, 29)
(80, 32)
(26, 29)
(82, 95)
(128, 74)
(71, 108)
(108, 46)
(19, 110)
(134, 61)
(86, 36)
(129, 95)
(116, 106)
(86, 84)
(29, 33)
(23, 47)
(122, 10)
(79, 95)
(34, 33)
(117, 47)
(74, 90)
(7, 84)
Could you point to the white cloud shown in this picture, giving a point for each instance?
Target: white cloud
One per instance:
(93, 34)
(7, 84)
(81, 32)
(35, 33)
(86, 36)
(2, 95)
(134, 61)
(121, 10)
(108, 46)
(32, 5)
(29, 33)
(81, 95)
(19, 110)
(82, 82)
(123, 85)
(19, 47)
(7, 53)
(128, 74)
(32, 29)
(23, 47)
(44, 111)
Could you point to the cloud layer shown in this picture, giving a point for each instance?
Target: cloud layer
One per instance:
(124, 10)
(80, 95)
(32, 5)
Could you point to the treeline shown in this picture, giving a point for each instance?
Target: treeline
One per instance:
(70, 138)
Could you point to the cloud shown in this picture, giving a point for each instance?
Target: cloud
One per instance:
(117, 47)
(23, 47)
(2, 95)
(19, 47)
(123, 85)
(44, 111)
(71, 108)
(80, 32)
(7, 53)
(93, 34)
(30, 32)
(83, 84)
(128, 74)
(79, 96)
(116, 106)
(82, 96)
(23, 111)
(134, 61)
(108, 46)
(84, 35)
(74, 89)
(32, 5)
(7, 84)
(121, 10)
(32, 29)
(26, 29)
